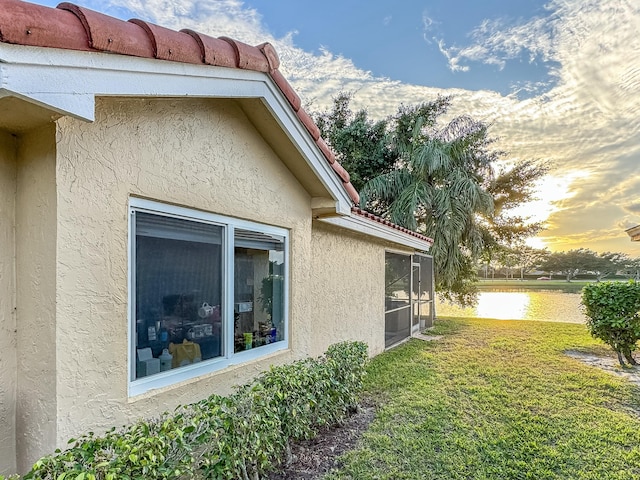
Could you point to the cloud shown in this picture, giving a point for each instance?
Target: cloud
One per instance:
(494, 42)
(215, 17)
(452, 59)
(387, 20)
(633, 207)
(586, 121)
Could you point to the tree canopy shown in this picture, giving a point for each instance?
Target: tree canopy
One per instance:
(443, 181)
(582, 260)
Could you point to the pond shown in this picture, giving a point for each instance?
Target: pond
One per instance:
(520, 304)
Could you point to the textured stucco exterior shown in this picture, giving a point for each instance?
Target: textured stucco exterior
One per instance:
(71, 183)
(36, 295)
(347, 281)
(8, 364)
(202, 154)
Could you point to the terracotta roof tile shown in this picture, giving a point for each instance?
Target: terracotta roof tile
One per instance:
(171, 45)
(214, 51)
(108, 34)
(309, 124)
(28, 24)
(353, 193)
(375, 218)
(247, 56)
(342, 173)
(271, 55)
(73, 27)
(286, 89)
(328, 153)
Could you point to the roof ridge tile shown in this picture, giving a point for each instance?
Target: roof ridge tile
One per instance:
(24, 23)
(247, 56)
(286, 88)
(73, 27)
(214, 51)
(171, 45)
(271, 55)
(110, 34)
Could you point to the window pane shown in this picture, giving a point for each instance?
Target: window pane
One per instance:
(397, 280)
(397, 326)
(178, 282)
(426, 280)
(258, 289)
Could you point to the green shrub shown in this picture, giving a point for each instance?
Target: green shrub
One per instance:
(241, 436)
(612, 315)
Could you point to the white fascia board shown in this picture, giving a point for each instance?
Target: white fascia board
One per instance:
(67, 82)
(368, 227)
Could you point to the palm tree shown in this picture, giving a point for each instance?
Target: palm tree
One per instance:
(440, 188)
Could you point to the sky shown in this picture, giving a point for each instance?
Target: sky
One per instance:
(558, 80)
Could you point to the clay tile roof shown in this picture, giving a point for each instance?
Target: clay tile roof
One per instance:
(363, 213)
(73, 27)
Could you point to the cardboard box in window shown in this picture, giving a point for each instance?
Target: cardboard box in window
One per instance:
(244, 307)
(146, 364)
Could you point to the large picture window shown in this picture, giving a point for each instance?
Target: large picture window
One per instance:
(205, 291)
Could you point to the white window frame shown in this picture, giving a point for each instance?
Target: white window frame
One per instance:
(164, 379)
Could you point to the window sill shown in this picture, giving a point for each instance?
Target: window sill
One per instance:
(147, 387)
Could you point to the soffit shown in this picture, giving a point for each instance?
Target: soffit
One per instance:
(31, 116)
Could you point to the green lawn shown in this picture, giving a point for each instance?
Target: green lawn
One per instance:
(497, 400)
(534, 284)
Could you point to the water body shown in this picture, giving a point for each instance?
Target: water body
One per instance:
(542, 305)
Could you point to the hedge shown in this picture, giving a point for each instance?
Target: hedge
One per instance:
(242, 436)
(612, 310)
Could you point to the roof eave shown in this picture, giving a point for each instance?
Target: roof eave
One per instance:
(67, 82)
(634, 233)
(380, 231)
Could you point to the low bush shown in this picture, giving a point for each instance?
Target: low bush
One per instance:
(612, 315)
(241, 436)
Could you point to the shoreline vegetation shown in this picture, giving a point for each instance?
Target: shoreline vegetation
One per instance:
(516, 283)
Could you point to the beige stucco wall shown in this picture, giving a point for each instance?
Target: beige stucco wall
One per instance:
(199, 153)
(74, 182)
(347, 281)
(36, 295)
(8, 364)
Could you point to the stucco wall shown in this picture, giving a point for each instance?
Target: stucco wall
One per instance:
(36, 295)
(347, 281)
(8, 374)
(203, 154)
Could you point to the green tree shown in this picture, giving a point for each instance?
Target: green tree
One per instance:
(363, 146)
(529, 257)
(571, 262)
(608, 263)
(438, 189)
(512, 186)
(630, 267)
(439, 181)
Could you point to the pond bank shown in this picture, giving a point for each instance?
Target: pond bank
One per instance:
(523, 304)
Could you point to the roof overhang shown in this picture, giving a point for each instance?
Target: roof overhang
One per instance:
(634, 233)
(67, 82)
(365, 226)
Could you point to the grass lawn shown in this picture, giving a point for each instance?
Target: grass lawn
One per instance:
(534, 284)
(497, 400)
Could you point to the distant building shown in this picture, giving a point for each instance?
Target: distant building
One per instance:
(634, 233)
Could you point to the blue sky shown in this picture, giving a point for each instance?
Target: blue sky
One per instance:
(558, 80)
(405, 40)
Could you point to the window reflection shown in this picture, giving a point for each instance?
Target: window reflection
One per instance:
(258, 290)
